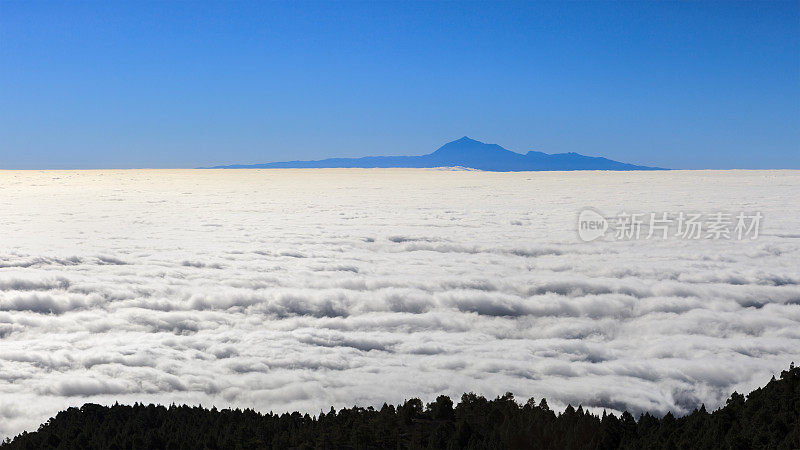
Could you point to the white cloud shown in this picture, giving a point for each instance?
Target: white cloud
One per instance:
(284, 290)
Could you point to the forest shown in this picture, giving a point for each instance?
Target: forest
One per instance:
(769, 417)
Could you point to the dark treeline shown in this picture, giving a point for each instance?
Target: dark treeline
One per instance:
(768, 418)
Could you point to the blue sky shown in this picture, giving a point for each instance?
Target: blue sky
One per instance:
(186, 84)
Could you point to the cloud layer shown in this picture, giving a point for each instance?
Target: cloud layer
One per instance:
(296, 289)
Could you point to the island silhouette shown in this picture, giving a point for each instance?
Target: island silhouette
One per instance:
(464, 152)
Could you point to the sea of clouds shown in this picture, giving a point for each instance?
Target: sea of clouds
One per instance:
(289, 290)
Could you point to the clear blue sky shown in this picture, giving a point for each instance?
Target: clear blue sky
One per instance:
(186, 84)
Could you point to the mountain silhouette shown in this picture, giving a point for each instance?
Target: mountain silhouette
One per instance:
(464, 152)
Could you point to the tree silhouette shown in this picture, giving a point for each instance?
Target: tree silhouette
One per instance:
(768, 417)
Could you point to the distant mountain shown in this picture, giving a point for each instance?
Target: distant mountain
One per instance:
(464, 152)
